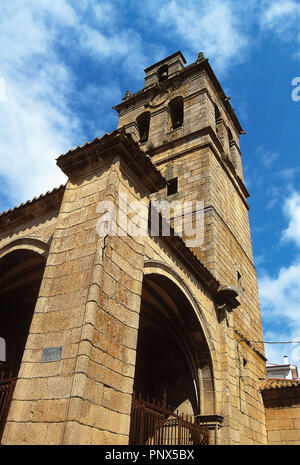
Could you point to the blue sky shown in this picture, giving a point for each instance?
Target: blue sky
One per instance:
(64, 64)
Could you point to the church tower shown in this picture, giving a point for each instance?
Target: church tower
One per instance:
(184, 121)
(110, 319)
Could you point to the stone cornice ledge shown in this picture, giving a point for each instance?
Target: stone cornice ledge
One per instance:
(32, 208)
(210, 420)
(94, 154)
(217, 149)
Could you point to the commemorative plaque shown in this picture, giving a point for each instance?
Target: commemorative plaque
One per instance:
(52, 354)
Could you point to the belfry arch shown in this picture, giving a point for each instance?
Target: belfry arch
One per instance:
(173, 355)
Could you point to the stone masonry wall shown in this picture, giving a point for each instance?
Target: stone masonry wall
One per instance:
(283, 421)
(88, 303)
(195, 158)
(41, 227)
(240, 405)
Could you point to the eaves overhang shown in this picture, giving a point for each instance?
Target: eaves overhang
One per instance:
(118, 143)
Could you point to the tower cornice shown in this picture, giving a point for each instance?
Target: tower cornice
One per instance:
(216, 147)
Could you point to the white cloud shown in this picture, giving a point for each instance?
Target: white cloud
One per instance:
(36, 120)
(277, 11)
(292, 211)
(288, 174)
(43, 41)
(280, 304)
(282, 18)
(274, 196)
(211, 27)
(105, 12)
(102, 46)
(266, 156)
(226, 30)
(123, 46)
(280, 295)
(259, 259)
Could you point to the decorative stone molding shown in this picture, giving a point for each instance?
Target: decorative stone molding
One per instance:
(32, 208)
(94, 154)
(213, 423)
(227, 295)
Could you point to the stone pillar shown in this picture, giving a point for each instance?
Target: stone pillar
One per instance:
(100, 401)
(160, 124)
(132, 128)
(214, 425)
(197, 112)
(221, 132)
(227, 398)
(235, 157)
(88, 305)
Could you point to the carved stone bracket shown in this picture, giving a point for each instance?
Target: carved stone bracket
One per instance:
(213, 423)
(227, 296)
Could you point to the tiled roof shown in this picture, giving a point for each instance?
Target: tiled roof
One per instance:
(35, 199)
(116, 143)
(279, 383)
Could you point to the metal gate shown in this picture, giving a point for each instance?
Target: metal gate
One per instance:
(7, 385)
(153, 423)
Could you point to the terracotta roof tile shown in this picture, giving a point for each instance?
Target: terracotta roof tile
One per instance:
(28, 202)
(279, 383)
(87, 155)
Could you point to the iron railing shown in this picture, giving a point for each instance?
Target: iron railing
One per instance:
(155, 423)
(7, 386)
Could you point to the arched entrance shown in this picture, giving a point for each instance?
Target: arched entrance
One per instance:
(21, 272)
(173, 362)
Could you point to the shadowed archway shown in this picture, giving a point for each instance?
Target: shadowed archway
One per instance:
(21, 272)
(172, 353)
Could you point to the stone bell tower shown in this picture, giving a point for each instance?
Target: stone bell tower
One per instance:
(113, 315)
(184, 121)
